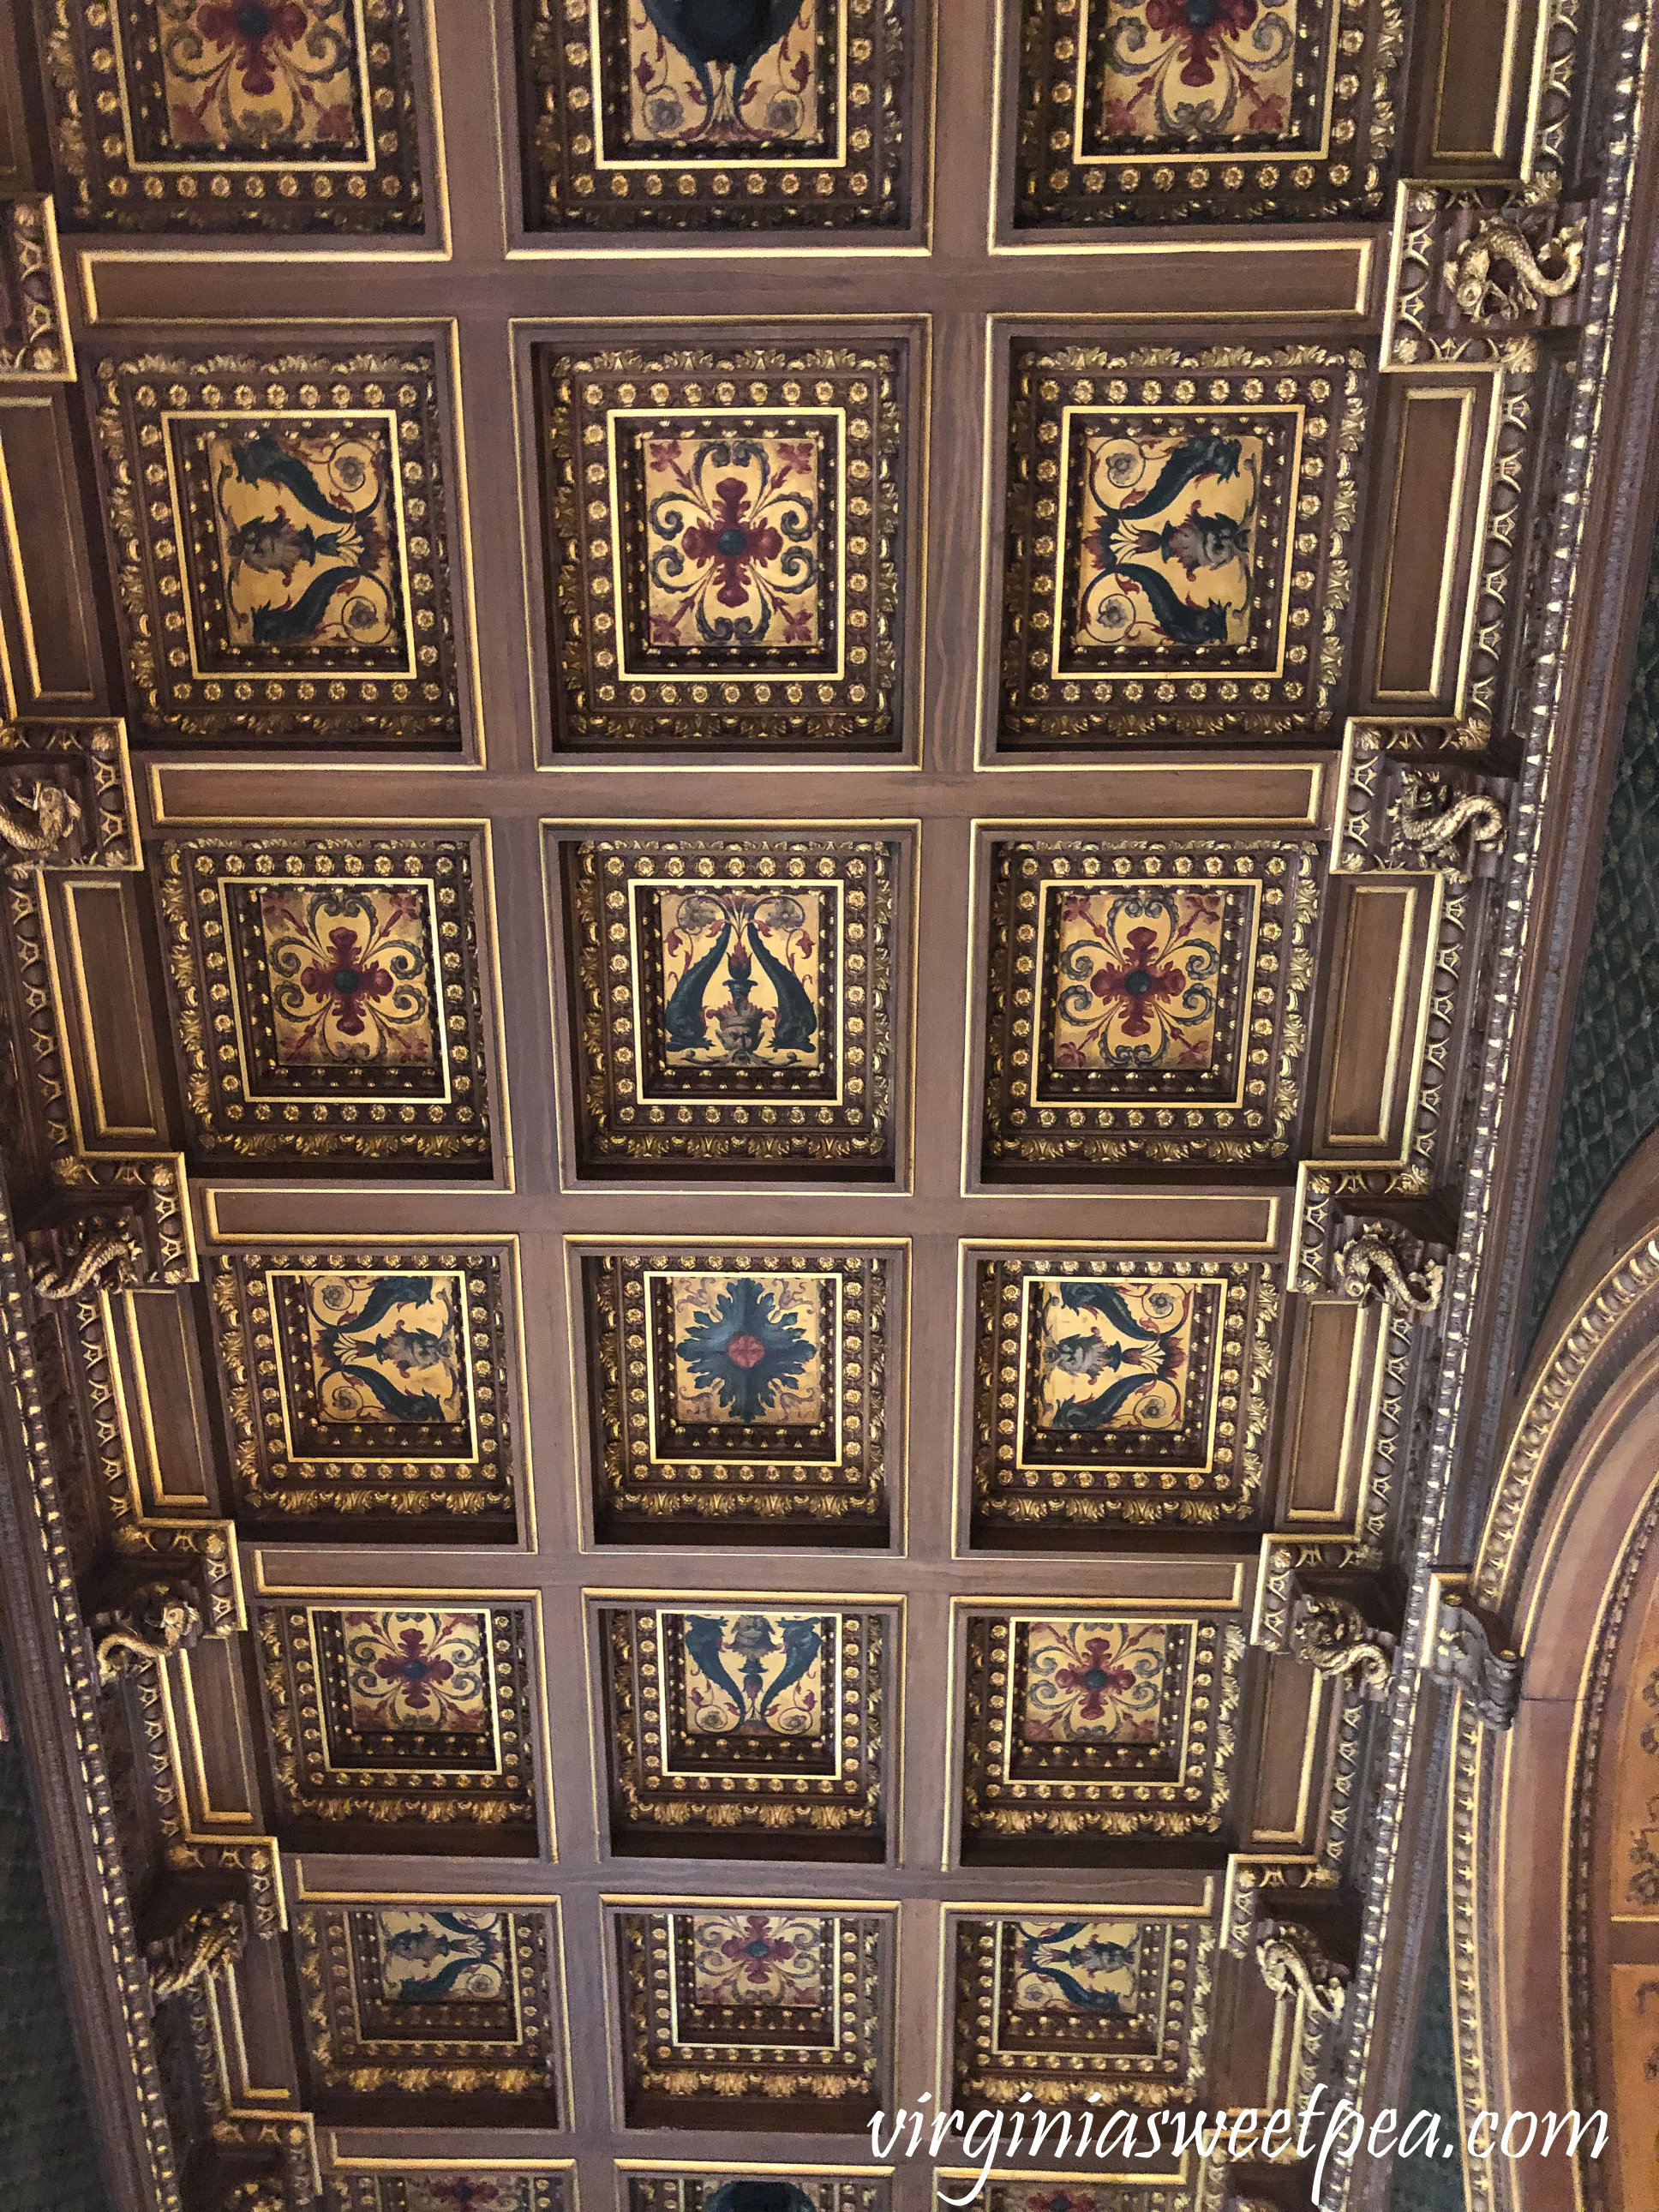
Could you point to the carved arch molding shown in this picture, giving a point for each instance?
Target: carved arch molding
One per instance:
(1554, 1833)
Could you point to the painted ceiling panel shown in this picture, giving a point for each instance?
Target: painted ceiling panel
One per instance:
(765, 779)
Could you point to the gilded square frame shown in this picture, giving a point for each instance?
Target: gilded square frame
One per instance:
(109, 183)
(843, 1811)
(134, 397)
(531, 2088)
(584, 380)
(1126, 1806)
(1161, 2064)
(845, 1495)
(574, 187)
(1019, 1500)
(449, 1132)
(351, 1490)
(1340, 172)
(857, 1132)
(1057, 379)
(721, 2082)
(488, 1806)
(1157, 1125)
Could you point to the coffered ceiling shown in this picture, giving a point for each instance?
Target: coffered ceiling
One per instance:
(769, 796)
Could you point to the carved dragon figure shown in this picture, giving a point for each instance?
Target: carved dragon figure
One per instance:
(108, 1248)
(1542, 268)
(1435, 819)
(37, 821)
(160, 1621)
(1333, 1635)
(1369, 1264)
(1292, 1963)
(201, 1946)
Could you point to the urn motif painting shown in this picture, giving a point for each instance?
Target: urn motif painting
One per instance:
(802, 103)
(744, 1022)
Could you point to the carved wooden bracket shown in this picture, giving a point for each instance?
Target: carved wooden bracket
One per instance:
(1293, 1963)
(203, 1944)
(1478, 268)
(1323, 1605)
(1372, 1236)
(111, 1222)
(1420, 797)
(159, 1619)
(1468, 1649)
(66, 798)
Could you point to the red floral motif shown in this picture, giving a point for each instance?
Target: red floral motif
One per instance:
(1199, 27)
(736, 545)
(252, 25)
(1137, 981)
(1095, 1678)
(418, 1670)
(344, 985)
(753, 1950)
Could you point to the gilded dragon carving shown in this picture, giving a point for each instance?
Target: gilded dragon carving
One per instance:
(37, 821)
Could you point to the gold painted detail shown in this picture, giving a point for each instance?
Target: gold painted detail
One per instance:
(1293, 1965)
(34, 335)
(157, 1621)
(206, 1944)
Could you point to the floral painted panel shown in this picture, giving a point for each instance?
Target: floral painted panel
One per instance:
(439, 2004)
(408, 1721)
(666, 115)
(1172, 988)
(687, 98)
(748, 1350)
(328, 999)
(380, 1383)
(760, 1732)
(1082, 1730)
(304, 568)
(744, 968)
(739, 1019)
(352, 970)
(740, 1391)
(734, 542)
(286, 579)
(744, 2016)
(1177, 542)
(1138, 964)
(727, 538)
(1074, 2000)
(1167, 523)
(412, 1671)
(1198, 69)
(280, 75)
(1116, 1390)
(772, 1960)
(233, 115)
(1209, 111)
(1092, 1682)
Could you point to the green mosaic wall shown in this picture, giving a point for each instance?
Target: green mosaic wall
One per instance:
(46, 2158)
(1612, 1096)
